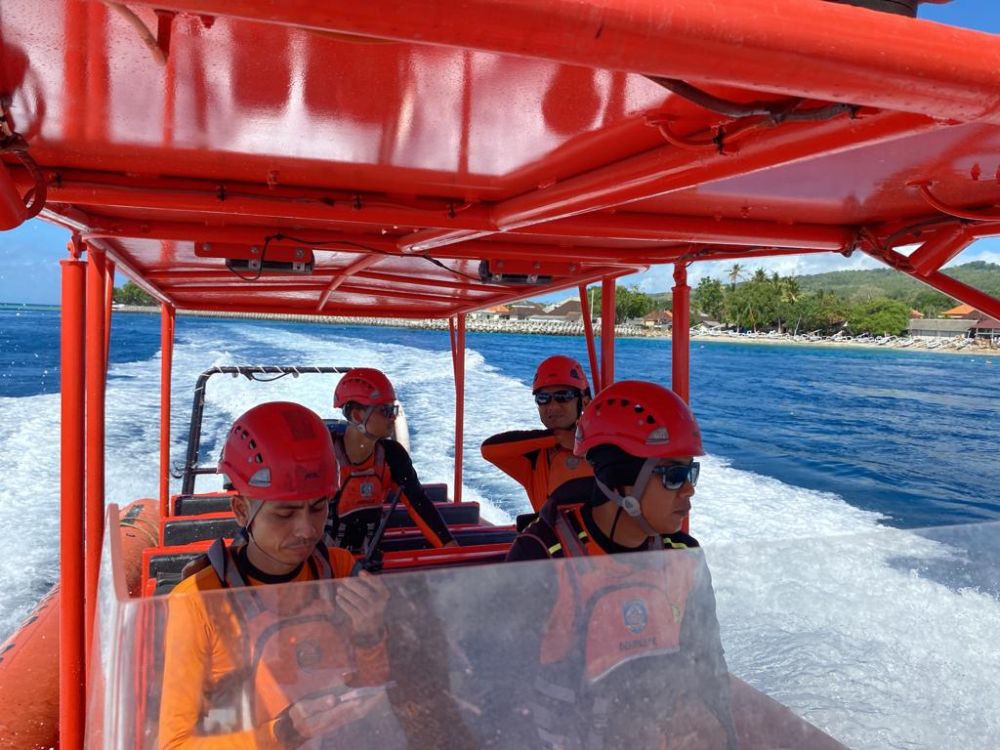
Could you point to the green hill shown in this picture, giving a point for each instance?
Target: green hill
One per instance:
(886, 282)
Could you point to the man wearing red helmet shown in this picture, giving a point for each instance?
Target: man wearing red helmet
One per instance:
(542, 461)
(640, 439)
(371, 467)
(230, 654)
(630, 655)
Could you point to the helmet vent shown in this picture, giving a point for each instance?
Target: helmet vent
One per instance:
(658, 436)
(639, 408)
(261, 478)
(649, 419)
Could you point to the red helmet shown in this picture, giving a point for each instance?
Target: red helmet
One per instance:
(561, 370)
(643, 419)
(280, 451)
(364, 385)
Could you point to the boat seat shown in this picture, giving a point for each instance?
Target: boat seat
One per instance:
(170, 560)
(217, 502)
(211, 525)
(164, 566)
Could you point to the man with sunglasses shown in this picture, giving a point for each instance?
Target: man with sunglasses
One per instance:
(372, 467)
(628, 654)
(542, 461)
(640, 439)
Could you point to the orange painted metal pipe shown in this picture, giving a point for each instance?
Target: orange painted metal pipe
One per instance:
(680, 345)
(941, 248)
(109, 296)
(95, 388)
(617, 226)
(981, 301)
(636, 226)
(814, 50)
(680, 337)
(669, 169)
(71, 490)
(457, 328)
(608, 298)
(359, 265)
(167, 323)
(588, 330)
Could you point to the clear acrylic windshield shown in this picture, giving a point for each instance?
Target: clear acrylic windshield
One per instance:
(881, 641)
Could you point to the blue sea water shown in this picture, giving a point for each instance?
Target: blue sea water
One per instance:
(910, 435)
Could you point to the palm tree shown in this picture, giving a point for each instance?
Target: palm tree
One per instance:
(735, 274)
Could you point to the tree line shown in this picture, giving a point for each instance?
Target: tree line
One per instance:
(778, 303)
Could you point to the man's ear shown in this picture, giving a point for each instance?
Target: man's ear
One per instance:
(241, 509)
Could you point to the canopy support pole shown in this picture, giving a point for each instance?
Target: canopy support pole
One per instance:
(95, 389)
(588, 329)
(109, 298)
(680, 334)
(608, 292)
(72, 694)
(167, 320)
(456, 329)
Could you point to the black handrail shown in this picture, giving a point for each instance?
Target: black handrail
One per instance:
(191, 468)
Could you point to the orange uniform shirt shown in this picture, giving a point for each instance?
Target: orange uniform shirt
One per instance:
(201, 653)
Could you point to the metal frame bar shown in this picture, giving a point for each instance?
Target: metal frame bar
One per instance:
(456, 332)
(96, 368)
(680, 335)
(191, 468)
(588, 330)
(167, 328)
(608, 298)
(72, 690)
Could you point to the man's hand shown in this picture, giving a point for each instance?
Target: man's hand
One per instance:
(315, 716)
(363, 598)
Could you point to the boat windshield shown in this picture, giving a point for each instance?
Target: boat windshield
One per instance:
(885, 640)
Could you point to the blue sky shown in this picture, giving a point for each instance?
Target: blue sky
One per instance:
(29, 255)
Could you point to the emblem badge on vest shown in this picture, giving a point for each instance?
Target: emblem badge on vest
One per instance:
(635, 616)
(308, 654)
(367, 489)
(572, 462)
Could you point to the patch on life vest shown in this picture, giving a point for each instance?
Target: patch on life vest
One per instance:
(572, 462)
(367, 489)
(634, 615)
(308, 654)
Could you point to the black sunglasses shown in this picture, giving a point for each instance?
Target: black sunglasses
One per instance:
(674, 476)
(561, 397)
(388, 410)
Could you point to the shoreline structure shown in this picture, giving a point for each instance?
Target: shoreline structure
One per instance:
(957, 345)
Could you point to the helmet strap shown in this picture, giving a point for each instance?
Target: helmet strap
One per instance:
(362, 426)
(630, 503)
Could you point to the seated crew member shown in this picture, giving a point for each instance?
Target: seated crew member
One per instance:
(231, 654)
(542, 461)
(630, 655)
(371, 467)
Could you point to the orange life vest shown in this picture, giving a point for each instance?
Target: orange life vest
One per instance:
(294, 643)
(610, 611)
(362, 486)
